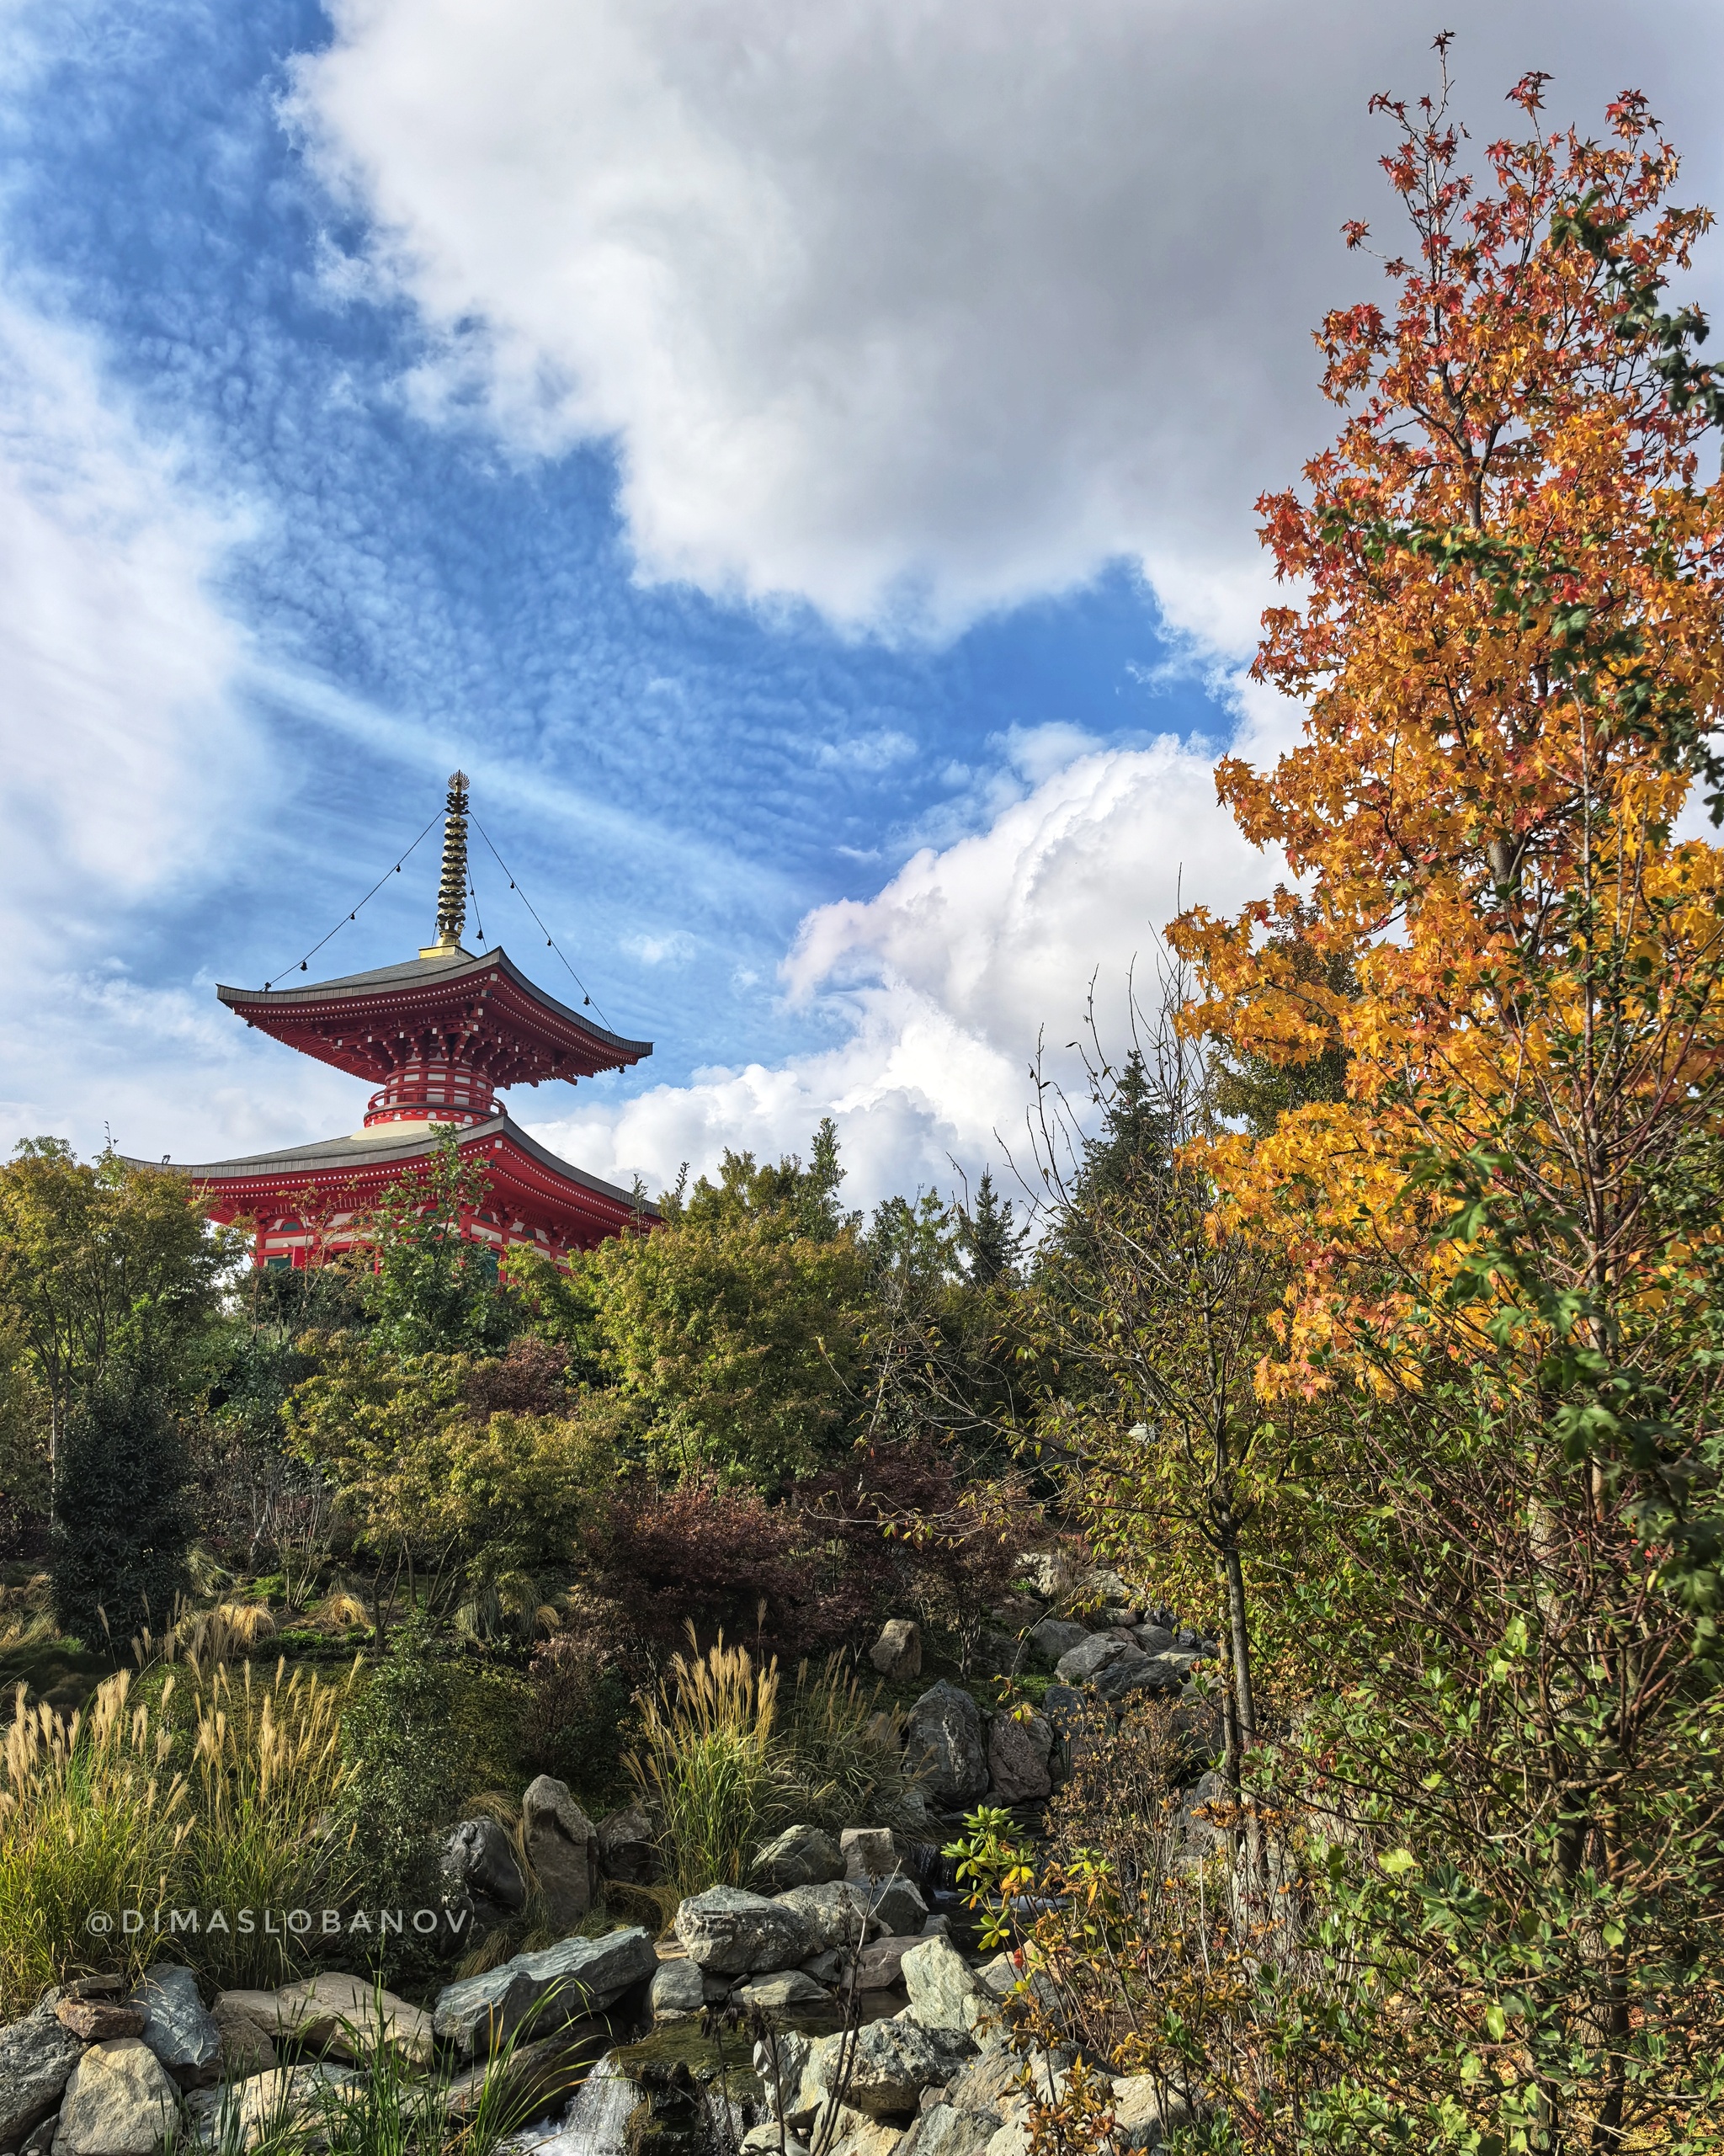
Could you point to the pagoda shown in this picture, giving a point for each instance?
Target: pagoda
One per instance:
(437, 1036)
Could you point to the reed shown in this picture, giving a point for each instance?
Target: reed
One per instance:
(706, 1764)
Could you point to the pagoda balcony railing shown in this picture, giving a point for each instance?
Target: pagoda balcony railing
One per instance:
(427, 1091)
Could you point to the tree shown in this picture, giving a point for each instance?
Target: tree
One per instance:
(102, 1263)
(123, 1524)
(433, 1289)
(1504, 1238)
(990, 1238)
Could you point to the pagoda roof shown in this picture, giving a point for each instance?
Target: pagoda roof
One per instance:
(364, 1161)
(482, 1011)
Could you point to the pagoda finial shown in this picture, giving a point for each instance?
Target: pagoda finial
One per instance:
(452, 891)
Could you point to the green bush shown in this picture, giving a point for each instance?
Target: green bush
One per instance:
(573, 1719)
(123, 1519)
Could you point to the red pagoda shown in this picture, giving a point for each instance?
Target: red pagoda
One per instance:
(437, 1036)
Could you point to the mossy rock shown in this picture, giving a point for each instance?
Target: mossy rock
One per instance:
(682, 2053)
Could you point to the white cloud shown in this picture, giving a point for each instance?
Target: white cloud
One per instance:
(940, 985)
(915, 310)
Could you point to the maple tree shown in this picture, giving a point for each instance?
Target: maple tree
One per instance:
(1503, 1238)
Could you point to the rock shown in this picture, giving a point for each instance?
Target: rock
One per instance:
(779, 2058)
(535, 2078)
(942, 2129)
(37, 2055)
(40, 2140)
(801, 1856)
(783, 1993)
(1018, 1612)
(880, 1966)
(763, 2140)
(896, 2060)
(119, 2102)
(562, 1847)
(1144, 2113)
(291, 2103)
(897, 1906)
(861, 2136)
(1153, 1639)
(869, 1852)
(826, 1968)
(897, 1652)
(352, 2017)
(836, 1913)
(1199, 1830)
(1049, 1573)
(1018, 1771)
(578, 1977)
(988, 2084)
(731, 1932)
(95, 2020)
(1079, 1664)
(937, 1927)
(945, 1745)
(998, 1653)
(939, 1983)
(1057, 1636)
(247, 2046)
(479, 1857)
(177, 2028)
(678, 1991)
(628, 1849)
(1106, 1588)
(1148, 1673)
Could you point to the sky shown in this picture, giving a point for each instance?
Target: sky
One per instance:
(798, 459)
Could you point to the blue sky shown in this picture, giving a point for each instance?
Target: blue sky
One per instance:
(836, 608)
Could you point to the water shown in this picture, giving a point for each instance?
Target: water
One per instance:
(593, 2124)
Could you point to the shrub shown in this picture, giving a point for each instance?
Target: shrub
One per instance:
(123, 1524)
(571, 1725)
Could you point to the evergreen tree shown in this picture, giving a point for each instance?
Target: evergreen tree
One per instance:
(124, 1520)
(990, 1237)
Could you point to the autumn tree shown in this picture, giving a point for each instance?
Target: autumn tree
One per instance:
(1504, 1240)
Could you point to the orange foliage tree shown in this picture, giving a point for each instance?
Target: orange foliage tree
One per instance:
(1505, 1241)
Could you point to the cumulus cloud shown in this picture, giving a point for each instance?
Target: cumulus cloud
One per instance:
(914, 311)
(938, 989)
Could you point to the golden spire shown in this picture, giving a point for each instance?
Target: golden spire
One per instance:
(452, 891)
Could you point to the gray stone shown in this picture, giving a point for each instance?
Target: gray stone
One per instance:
(895, 2060)
(36, 2058)
(779, 2058)
(835, 1913)
(731, 1932)
(939, 1982)
(826, 1967)
(119, 2102)
(562, 1847)
(1106, 1588)
(1048, 1573)
(897, 1652)
(1057, 1636)
(946, 1747)
(869, 1852)
(881, 1965)
(1147, 1673)
(478, 1857)
(40, 2140)
(784, 1993)
(801, 1856)
(627, 1848)
(177, 2028)
(898, 1907)
(1017, 1769)
(349, 2016)
(678, 1991)
(1146, 2110)
(1081, 1664)
(942, 2129)
(1199, 1831)
(539, 1991)
(247, 2046)
(1153, 1639)
(291, 2103)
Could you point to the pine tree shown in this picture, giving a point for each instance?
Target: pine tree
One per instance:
(124, 1518)
(992, 1240)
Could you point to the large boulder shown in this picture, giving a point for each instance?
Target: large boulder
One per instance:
(562, 1847)
(731, 1932)
(119, 2102)
(628, 1849)
(836, 1913)
(1145, 1672)
(945, 1745)
(479, 1860)
(177, 2028)
(869, 1852)
(97, 2020)
(1106, 1588)
(289, 2104)
(1057, 1636)
(1146, 2112)
(785, 1991)
(800, 1856)
(1080, 1664)
(943, 2130)
(897, 1652)
(941, 1986)
(895, 2060)
(248, 2044)
(538, 1992)
(353, 2016)
(1154, 1639)
(880, 1966)
(1047, 1572)
(36, 2058)
(1016, 1767)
